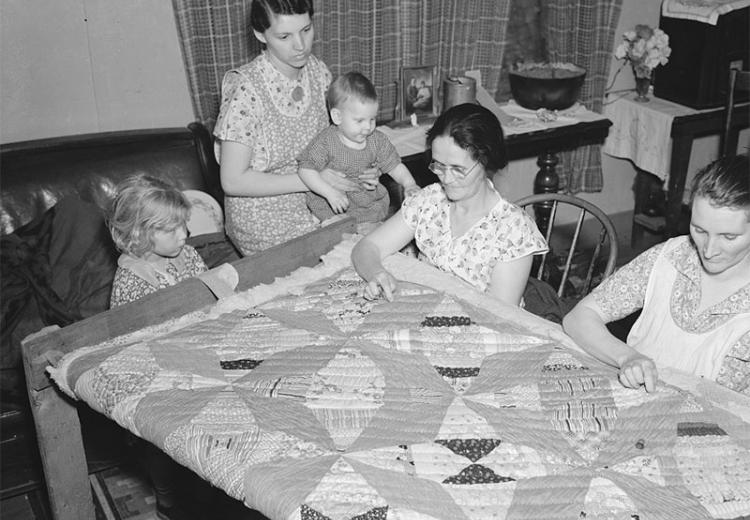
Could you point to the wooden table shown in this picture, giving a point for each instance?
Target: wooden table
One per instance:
(645, 132)
(530, 139)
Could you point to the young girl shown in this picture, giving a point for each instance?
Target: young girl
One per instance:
(148, 226)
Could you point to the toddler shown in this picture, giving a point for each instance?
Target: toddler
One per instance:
(148, 223)
(149, 226)
(351, 145)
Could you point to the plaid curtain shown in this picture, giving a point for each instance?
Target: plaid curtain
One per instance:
(583, 33)
(376, 37)
(215, 36)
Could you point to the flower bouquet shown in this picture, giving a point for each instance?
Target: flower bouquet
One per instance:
(645, 48)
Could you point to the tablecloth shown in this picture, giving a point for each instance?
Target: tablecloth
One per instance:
(640, 132)
(308, 402)
(706, 11)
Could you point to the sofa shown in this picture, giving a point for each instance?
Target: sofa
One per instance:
(56, 256)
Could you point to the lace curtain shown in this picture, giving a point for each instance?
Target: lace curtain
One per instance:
(376, 37)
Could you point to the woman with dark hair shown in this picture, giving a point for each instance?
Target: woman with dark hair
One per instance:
(270, 110)
(461, 225)
(693, 292)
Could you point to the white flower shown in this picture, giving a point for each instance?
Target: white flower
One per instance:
(645, 48)
(621, 51)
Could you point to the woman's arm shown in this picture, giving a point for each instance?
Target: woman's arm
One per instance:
(367, 256)
(587, 326)
(239, 180)
(508, 279)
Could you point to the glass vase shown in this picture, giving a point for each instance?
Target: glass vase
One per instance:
(641, 89)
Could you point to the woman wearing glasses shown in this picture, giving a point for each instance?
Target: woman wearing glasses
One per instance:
(461, 225)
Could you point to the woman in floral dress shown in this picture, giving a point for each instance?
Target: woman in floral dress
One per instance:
(693, 292)
(461, 225)
(270, 109)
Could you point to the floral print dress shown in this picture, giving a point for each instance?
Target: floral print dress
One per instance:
(259, 111)
(135, 278)
(506, 233)
(665, 282)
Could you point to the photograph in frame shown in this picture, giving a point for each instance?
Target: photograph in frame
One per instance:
(418, 95)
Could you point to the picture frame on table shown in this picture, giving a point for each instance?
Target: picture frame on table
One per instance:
(417, 92)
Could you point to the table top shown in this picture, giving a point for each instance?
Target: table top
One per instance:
(526, 134)
(307, 401)
(643, 132)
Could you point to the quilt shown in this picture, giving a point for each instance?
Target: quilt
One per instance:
(318, 404)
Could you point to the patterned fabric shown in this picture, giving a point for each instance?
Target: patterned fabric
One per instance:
(583, 33)
(735, 369)
(505, 234)
(328, 151)
(325, 405)
(627, 291)
(128, 286)
(375, 38)
(258, 111)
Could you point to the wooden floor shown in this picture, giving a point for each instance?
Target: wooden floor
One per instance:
(23, 498)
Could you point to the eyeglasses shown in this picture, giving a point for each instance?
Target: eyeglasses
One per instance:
(459, 172)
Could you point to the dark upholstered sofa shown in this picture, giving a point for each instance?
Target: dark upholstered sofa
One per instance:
(57, 259)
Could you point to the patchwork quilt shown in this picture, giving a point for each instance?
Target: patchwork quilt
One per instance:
(323, 405)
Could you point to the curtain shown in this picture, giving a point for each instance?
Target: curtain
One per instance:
(376, 37)
(583, 33)
(215, 36)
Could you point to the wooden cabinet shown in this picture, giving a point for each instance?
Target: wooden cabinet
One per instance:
(696, 75)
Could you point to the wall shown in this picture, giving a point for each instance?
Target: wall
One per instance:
(81, 66)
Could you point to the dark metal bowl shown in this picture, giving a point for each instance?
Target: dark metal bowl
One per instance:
(533, 91)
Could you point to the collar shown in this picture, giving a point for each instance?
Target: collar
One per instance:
(146, 270)
(684, 258)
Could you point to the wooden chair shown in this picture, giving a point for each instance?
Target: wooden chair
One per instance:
(545, 208)
(739, 81)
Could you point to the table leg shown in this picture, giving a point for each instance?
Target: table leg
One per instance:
(681, 147)
(546, 181)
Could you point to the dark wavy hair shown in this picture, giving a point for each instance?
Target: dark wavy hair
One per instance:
(262, 11)
(475, 129)
(725, 183)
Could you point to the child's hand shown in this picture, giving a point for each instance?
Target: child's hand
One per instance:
(370, 178)
(338, 201)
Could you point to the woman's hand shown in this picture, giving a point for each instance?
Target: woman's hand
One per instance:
(339, 180)
(637, 370)
(383, 284)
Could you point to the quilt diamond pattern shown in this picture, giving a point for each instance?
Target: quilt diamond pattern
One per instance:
(323, 405)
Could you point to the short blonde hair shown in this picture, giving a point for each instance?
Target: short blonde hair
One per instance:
(143, 205)
(350, 85)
